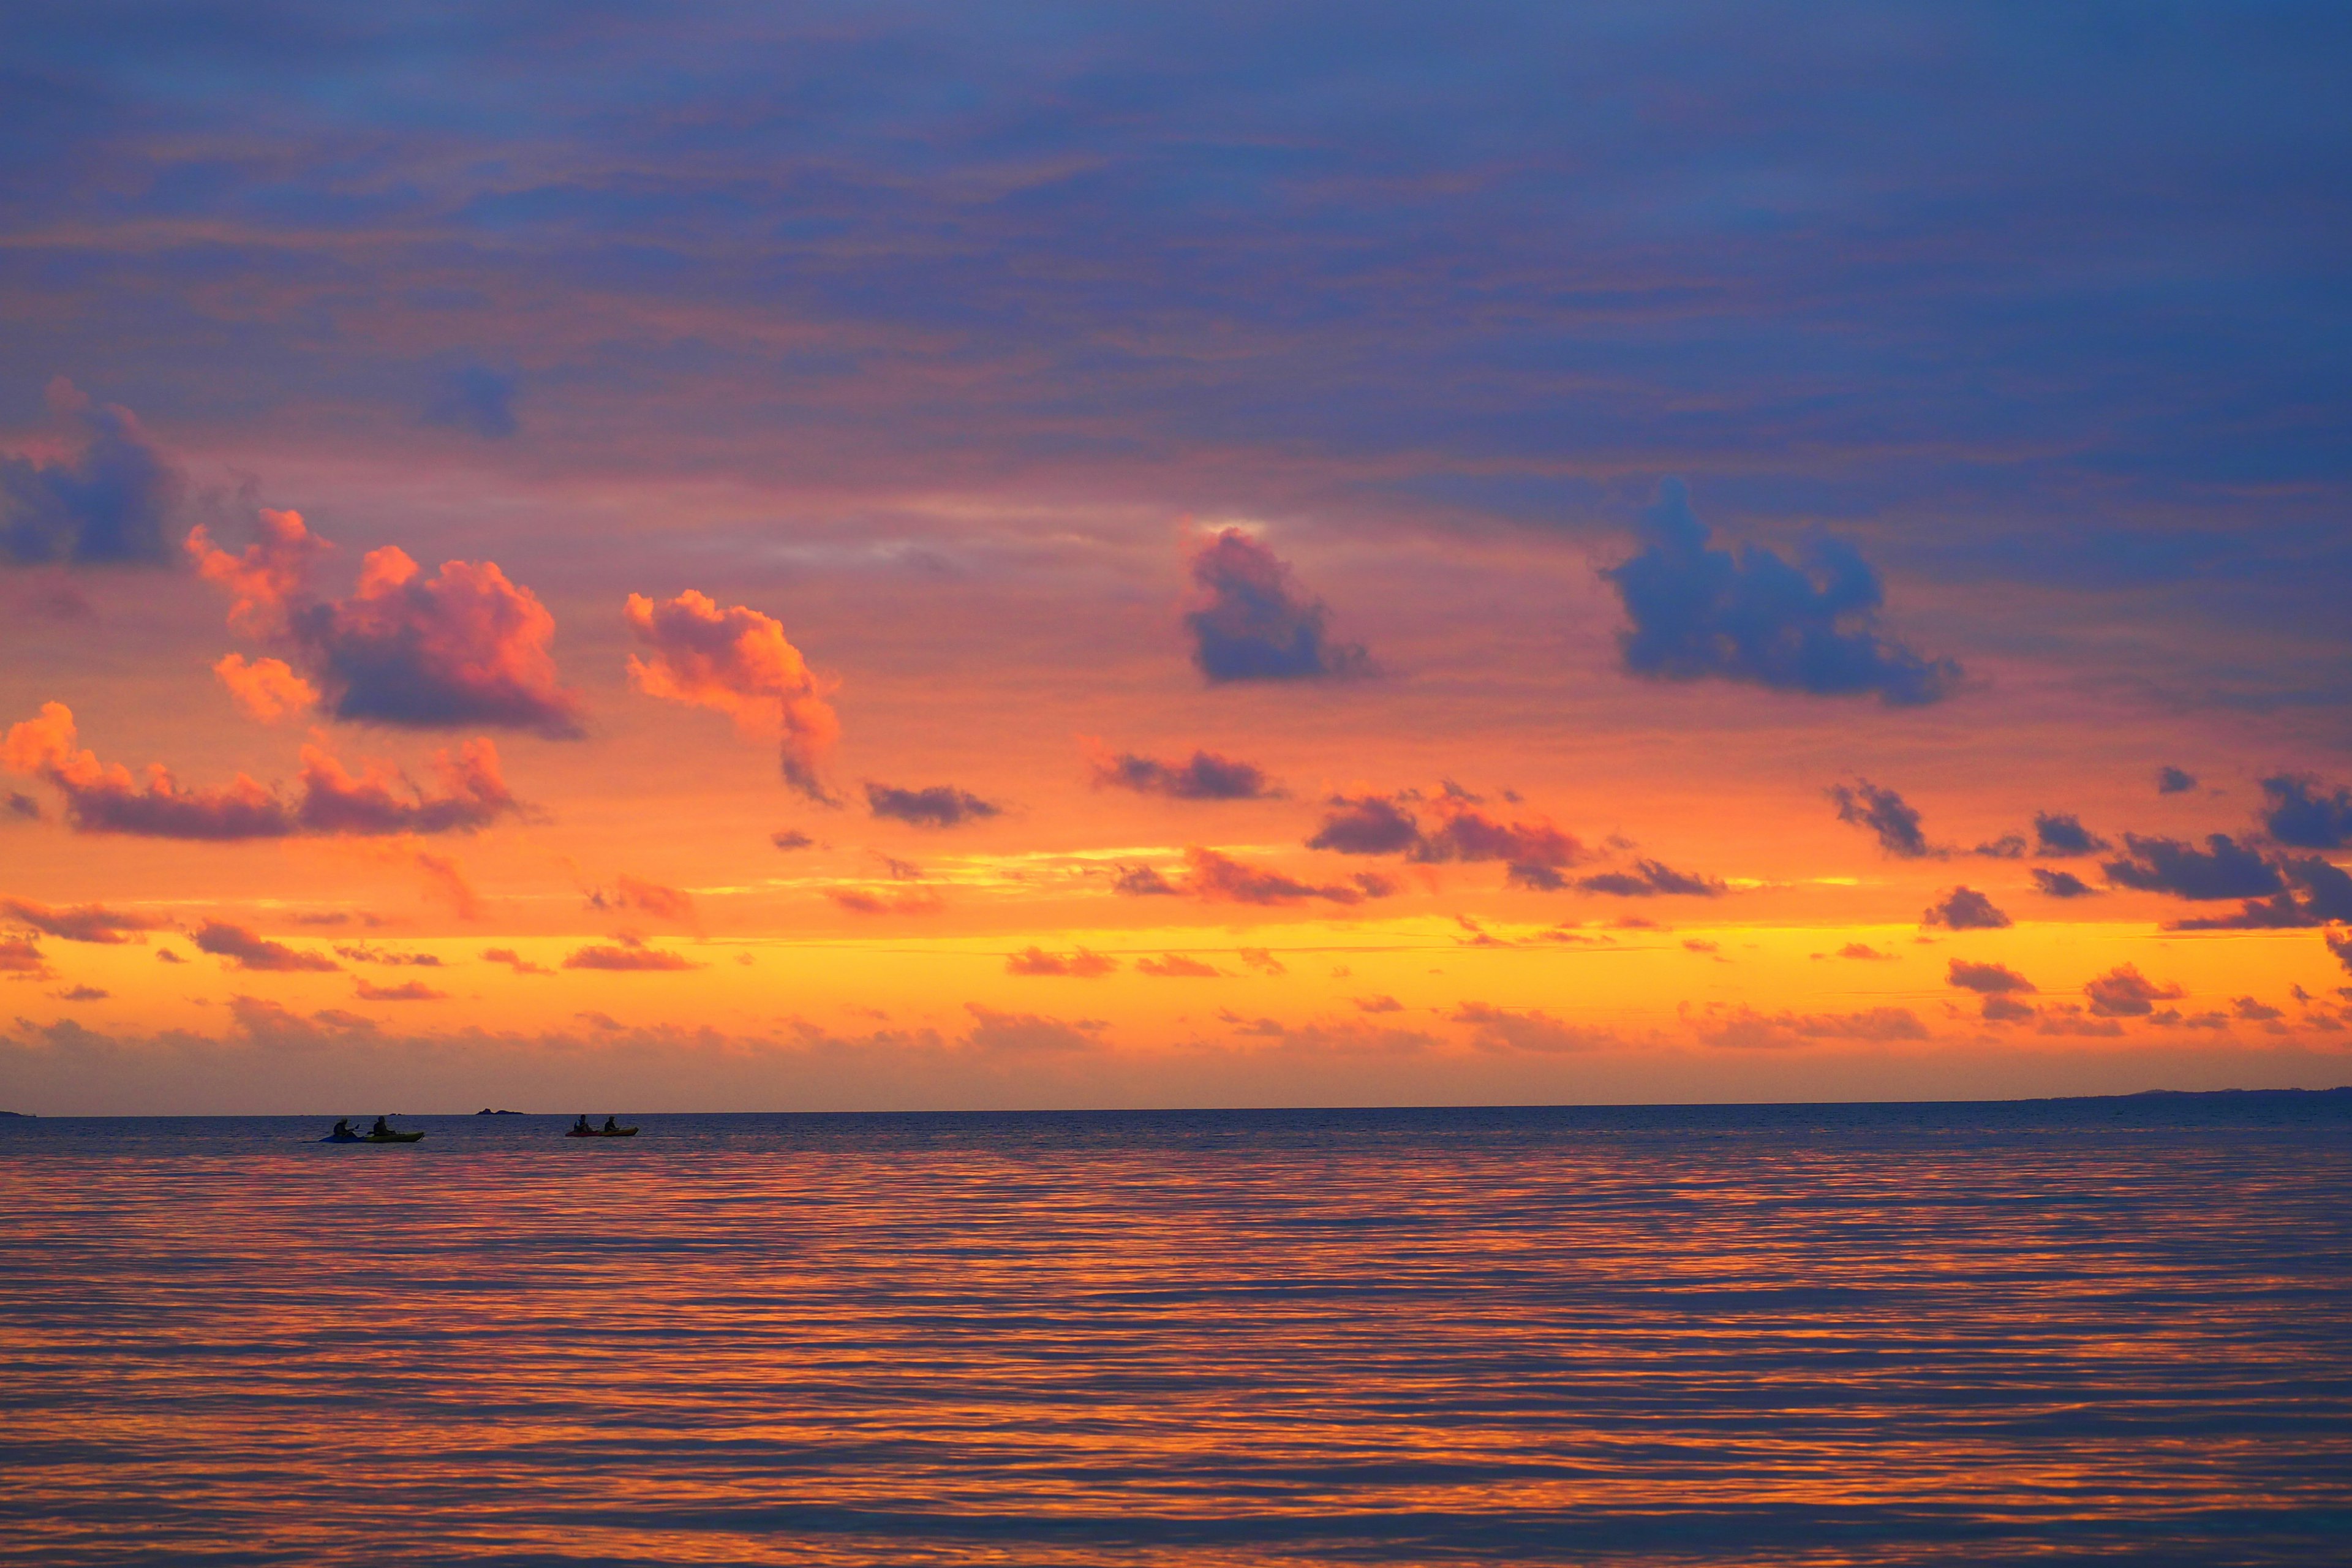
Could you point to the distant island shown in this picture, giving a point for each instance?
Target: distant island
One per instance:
(485, 1110)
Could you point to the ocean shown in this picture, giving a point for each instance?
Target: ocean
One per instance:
(2110, 1331)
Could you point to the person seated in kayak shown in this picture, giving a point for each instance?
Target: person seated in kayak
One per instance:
(381, 1129)
(581, 1125)
(343, 1128)
(611, 1125)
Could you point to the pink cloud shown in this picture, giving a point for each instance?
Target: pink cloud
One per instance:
(1079, 965)
(246, 948)
(738, 662)
(84, 922)
(266, 689)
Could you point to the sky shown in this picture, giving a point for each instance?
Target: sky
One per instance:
(880, 556)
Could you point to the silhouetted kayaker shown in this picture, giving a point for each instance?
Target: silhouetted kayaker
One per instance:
(581, 1125)
(343, 1128)
(611, 1125)
(381, 1129)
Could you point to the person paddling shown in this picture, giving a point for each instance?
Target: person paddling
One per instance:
(381, 1129)
(581, 1125)
(611, 1125)
(343, 1128)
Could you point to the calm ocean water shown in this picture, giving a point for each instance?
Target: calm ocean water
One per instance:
(2112, 1331)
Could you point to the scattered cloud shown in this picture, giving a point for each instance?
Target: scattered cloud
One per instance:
(2302, 810)
(1251, 621)
(408, 991)
(627, 955)
(1366, 825)
(2340, 944)
(738, 662)
(246, 948)
(1892, 819)
(1263, 961)
(2172, 780)
(20, 956)
(2319, 892)
(791, 838)
(514, 961)
(1752, 616)
(1143, 882)
(22, 806)
(464, 647)
(473, 398)
(940, 805)
(2124, 992)
(655, 898)
(362, 952)
(1378, 1005)
(1745, 1028)
(1987, 979)
(382, 801)
(2008, 846)
(1079, 965)
(911, 902)
(1176, 966)
(1964, 909)
(104, 504)
(1524, 1030)
(83, 923)
(81, 994)
(1023, 1032)
(1649, 879)
(1221, 879)
(2224, 869)
(2060, 884)
(1865, 953)
(2059, 835)
(267, 690)
(1205, 776)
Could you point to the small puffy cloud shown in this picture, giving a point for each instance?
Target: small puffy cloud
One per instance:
(362, 952)
(21, 806)
(22, 956)
(2303, 812)
(2000, 1009)
(1744, 1029)
(407, 991)
(81, 994)
(1466, 833)
(246, 948)
(1264, 961)
(267, 690)
(1700, 945)
(2061, 834)
(738, 662)
(1378, 1005)
(2060, 884)
(1251, 621)
(1204, 776)
(1530, 1029)
(939, 806)
(2172, 780)
(1987, 979)
(2124, 992)
(2340, 944)
(83, 923)
(105, 798)
(2008, 846)
(463, 646)
(1143, 882)
(1865, 953)
(381, 800)
(2319, 892)
(1892, 819)
(2254, 1012)
(791, 838)
(1366, 825)
(1176, 966)
(628, 956)
(653, 899)
(913, 901)
(1752, 616)
(513, 961)
(2224, 869)
(1221, 879)
(473, 398)
(1079, 965)
(105, 503)
(1650, 879)
(1964, 909)
(1023, 1032)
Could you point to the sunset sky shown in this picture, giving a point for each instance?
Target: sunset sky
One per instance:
(762, 557)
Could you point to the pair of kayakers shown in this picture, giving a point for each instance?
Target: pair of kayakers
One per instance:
(381, 1129)
(582, 1129)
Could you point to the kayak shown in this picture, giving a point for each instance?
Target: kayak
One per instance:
(600, 1133)
(372, 1138)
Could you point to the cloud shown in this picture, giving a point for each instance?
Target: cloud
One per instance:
(2058, 834)
(103, 505)
(2172, 780)
(2254, 1012)
(1176, 966)
(2223, 870)
(791, 838)
(1023, 1032)
(1987, 979)
(1378, 1005)
(1079, 965)
(84, 922)
(2340, 944)
(653, 899)
(1964, 909)
(2299, 810)
(463, 646)
(1649, 879)
(473, 398)
(913, 901)
(82, 993)
(513, 961)
(1204, 776)
(1366, 825)
(2000, 1009)
(1531, 1029)
(1264, 961)
(1467, 834)
(105, 798)
(1887, 814)
(445, 878)
(2060, 884)
(2008, 846)
(1224, 880)
(1865, 953)
(738, 662)
(2320, 892)
(1251, 621)
(940, 805)
(22, 806)
(361, 952)
(409, 991)
(1752, 616)
(1744, 1029)
(245, 949)
(1143, 882)
(2124, 992)
(628, 956)
(267, 690)
(20, 956)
